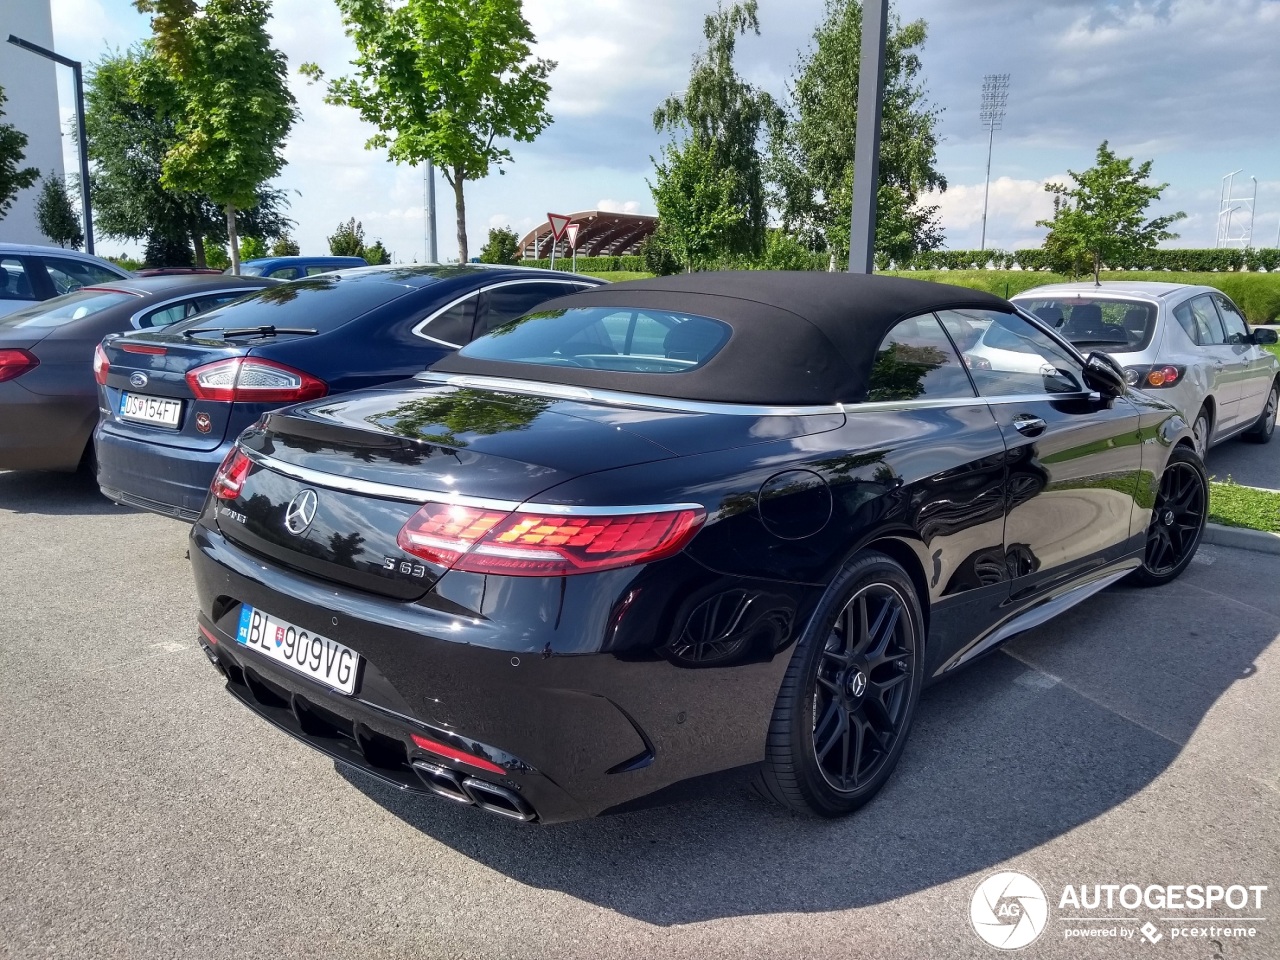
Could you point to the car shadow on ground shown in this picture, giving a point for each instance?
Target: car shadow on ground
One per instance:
(1002, 758)
(54, 494)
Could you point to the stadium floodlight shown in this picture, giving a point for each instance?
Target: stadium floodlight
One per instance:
(995, 94)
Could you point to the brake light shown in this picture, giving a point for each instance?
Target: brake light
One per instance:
(101, 365)
(453, 753)
(150, 349)
(14, 363)
(537, 544)
(253, 380)
(1163, 375)
(229, 479)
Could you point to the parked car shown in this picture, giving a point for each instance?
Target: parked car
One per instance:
(174, 271)
(48, 398)
(30, 274)
(173, 400)
(676, 526)
(294, 268)
(1189, 343)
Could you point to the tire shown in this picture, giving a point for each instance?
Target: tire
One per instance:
(1261, 431)
(833, 766)
(1177, 520)
(1201, 430)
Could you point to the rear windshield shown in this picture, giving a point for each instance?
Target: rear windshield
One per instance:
(247, 270)
(621, 339)
(1110, 324)
(320, 303)
(64, 309)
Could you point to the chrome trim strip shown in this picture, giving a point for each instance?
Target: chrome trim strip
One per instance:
(422, 324)
(391, 491)
(618, 398)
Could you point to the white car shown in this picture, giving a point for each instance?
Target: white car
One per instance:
(1189, 344)
(30, 273)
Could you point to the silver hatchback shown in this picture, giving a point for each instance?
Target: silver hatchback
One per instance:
(1189, 344)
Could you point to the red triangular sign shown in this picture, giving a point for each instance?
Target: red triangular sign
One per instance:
(572, 231)
(558, 223)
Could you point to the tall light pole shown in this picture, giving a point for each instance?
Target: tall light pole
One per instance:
(429, 214)
(85, 204)
(866, 148)
(995, 93)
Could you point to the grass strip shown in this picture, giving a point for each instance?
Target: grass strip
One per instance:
(1233, 505)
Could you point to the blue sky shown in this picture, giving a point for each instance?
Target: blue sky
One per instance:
(1190, 84)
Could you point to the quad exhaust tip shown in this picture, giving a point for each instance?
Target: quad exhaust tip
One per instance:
(490, 797)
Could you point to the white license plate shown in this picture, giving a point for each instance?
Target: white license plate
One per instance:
(160, 410)
(317, 657)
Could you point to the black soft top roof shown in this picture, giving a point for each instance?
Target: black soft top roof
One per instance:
(798, 337)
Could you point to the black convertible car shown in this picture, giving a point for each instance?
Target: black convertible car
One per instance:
(678, 526)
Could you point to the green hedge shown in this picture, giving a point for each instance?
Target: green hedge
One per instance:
(1201, 261)
(632, 264)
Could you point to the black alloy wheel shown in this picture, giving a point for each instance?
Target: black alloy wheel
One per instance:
(1261, 431)
(1177, 519)
(850, 692)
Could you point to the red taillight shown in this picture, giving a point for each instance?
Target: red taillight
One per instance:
(150, 349)
(101, 366)
(1163, 376)
(533, 544)
(14, 363)
(230, 476)
(453, 753)
(252, 380)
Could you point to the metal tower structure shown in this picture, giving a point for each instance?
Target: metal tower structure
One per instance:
(1235, 214)
(995, 94)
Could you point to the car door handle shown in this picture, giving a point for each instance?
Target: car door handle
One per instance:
(1028, 425)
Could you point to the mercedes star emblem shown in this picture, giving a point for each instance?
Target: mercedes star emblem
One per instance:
(300, 513)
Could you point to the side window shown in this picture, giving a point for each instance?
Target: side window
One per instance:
(501, 304)
(313, 271)
(1013, 357)
(167, 315)
(1208, 327)
(70, 275)
(916, 361)
(1182, 313)
(452, 325)
(1237, 329)
(208, 303)
(14, 282)
(285, 273)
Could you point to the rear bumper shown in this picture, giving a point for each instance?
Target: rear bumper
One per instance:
(39, 432)
(578, 731)
(170, 481)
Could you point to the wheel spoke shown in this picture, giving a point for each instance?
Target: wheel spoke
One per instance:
(884, 686)
(884, 631)
(878, 716)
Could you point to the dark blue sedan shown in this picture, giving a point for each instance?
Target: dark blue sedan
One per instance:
(173, 401)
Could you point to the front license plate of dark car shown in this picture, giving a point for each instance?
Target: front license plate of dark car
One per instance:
(323, 660)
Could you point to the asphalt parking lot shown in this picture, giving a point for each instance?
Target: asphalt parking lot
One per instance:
(146, 814)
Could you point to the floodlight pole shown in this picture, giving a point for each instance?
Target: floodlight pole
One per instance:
(429, 214)
(85, 200)
(866, 149)
(995, 93)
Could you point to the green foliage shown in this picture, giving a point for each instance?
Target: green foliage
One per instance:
(216, 255)
(1156, 258)
(631, 264)
(1233, 505)
(1101, 218)
(377, 255)
(446, 81)
(503, 246)
(131, 101)
(252, 248)
(13, 176)
(348, 239)
(125, 262)
(285, 246)
(811, 154)
(163, 250)
(717, 124)
(656, 256)
(232, 106)
(784, 252)
(618, 276)
(55, 214)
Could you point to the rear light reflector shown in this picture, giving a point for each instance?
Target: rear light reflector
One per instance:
(253, 380)
(230, 477)
(147, 348)
(453, 753)
(101, 366)
(208, 634)
(14, 363)
(534, 544)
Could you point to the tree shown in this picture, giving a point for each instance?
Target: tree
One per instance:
(444, 80)
(216, 254)
(718, 123)
(348, 239)
(130, 119)
(252, 248)
(503, 246)
(285, 246)
(235, 105)
(1102, 217)
(163, 250)
(811, 154)
(13, 176)
(55, 214)
(377, 255)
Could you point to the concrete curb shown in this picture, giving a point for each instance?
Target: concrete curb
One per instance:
(1242, 538)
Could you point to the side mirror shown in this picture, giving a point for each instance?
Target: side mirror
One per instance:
(1103, 374)
(1263, 335)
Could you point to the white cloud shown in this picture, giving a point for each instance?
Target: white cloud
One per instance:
(616, 206)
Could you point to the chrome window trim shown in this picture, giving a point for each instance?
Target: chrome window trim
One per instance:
(136, 319)
(422, 324)
(392, 491)
(419, 327)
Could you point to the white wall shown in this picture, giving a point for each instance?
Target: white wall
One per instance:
(30, 84)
